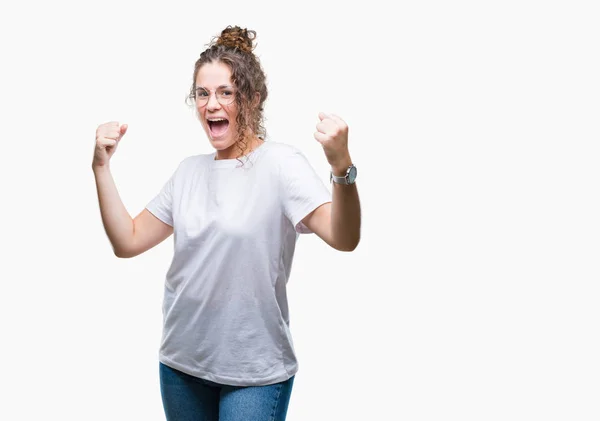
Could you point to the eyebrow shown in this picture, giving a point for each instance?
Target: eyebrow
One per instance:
(218, 87)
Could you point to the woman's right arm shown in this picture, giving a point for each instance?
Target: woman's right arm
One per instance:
(129, 237)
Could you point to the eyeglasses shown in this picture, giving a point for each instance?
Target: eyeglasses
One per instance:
(225, 95)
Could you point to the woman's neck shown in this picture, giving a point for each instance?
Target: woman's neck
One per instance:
(235, 151)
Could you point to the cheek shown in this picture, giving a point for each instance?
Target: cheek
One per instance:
(200, 115)
(202, 121)
(232, 113)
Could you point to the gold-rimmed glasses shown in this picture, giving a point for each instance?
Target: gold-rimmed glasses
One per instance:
(225, 95)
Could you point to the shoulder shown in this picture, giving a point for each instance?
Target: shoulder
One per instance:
(194, 161)
(188, 166)
(290, 163)
(282, 154)
(283, 158)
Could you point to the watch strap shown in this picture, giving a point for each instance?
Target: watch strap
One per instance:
(342, 179)
(338, 180)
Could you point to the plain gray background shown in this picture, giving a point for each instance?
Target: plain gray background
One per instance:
(474, 292)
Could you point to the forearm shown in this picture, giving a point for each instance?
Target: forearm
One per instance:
(345, 213)
(117, 222)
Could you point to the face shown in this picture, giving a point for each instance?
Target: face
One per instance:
(218, 121)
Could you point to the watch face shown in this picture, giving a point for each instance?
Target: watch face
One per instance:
(352, 174)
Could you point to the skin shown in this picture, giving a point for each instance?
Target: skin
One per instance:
(337, 222)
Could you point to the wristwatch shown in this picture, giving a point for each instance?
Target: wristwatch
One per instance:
(349, 178)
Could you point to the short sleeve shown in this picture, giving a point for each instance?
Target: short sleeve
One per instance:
(162, 205)
(302, 190)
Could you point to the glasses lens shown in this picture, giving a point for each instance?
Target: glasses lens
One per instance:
(202, 95)
(225, 95)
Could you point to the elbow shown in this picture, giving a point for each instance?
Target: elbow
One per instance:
(122, 253)
(348, 246)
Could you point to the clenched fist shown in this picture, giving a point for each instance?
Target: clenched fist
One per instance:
(332, 134)
(108, 136)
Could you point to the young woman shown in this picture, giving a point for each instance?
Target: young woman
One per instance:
(227, 351)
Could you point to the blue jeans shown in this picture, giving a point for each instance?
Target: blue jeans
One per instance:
(189, 398)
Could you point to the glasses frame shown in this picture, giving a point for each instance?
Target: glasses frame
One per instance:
(203, 102)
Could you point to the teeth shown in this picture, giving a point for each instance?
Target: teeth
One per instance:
(217, 119)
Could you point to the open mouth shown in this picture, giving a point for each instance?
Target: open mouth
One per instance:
(218, 126)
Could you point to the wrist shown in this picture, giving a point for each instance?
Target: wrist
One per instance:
(100, 168)
(339, 168)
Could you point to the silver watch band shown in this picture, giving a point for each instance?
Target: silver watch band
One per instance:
(347, 179)
(339, 180)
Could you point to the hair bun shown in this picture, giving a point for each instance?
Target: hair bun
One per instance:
(236, 37)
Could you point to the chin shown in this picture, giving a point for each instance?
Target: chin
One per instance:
(221, 144)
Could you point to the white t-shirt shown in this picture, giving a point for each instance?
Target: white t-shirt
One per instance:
(235, 229)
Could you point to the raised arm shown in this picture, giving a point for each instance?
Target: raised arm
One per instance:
(338, 222)
(128, 237)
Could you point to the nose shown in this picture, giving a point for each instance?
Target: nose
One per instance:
(212, 103)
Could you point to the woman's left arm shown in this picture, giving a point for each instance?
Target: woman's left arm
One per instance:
(338, 222)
